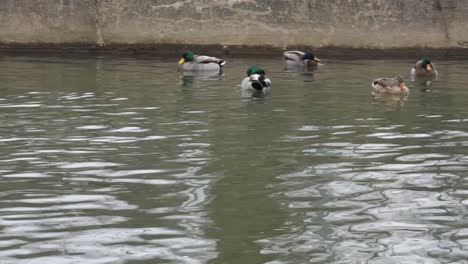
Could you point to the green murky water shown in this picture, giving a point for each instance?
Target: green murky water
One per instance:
(123, 160)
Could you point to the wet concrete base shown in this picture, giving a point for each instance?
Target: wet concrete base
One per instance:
(162, 50)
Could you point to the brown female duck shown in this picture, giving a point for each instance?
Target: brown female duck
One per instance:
(390, 86)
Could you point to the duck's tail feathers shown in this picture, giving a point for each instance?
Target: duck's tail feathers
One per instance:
(376, 85)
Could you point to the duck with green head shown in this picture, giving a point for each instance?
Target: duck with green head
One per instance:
(425, 69)
(300, 58)
(256, 80)
(394, 86)
(192, 62)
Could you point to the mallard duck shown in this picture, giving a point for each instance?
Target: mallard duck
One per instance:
(192, 62)
(424, 68)
(299, 58)
(390, 86)
(256, 80)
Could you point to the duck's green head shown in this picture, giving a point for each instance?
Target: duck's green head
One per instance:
(187, 56)
(255, 70)
(310, 56)
(426, 63)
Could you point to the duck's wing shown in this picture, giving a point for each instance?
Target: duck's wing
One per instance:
(385, 82)
(245, 84)
(296, 52)
(207, 59)
(436, 72)
(294, 55)
(418, 65)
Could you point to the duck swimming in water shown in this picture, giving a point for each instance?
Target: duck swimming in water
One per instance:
(394, 86)
(299, 58)
(192, 62)
(256, 80)
(424, 69)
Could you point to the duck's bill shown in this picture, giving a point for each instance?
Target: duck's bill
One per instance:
(428, 67)
(181, 61)
(316, 59)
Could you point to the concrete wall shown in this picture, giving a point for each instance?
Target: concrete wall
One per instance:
(278, 23)
(47, 21)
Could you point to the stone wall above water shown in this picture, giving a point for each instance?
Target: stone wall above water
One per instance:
(47, 21)
(277, 23)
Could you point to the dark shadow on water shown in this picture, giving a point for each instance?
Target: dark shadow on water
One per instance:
(255, 95)
(302, 68)
(423, 84)
(306, 72)
(308, 76)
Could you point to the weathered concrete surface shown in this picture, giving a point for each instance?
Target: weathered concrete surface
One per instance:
(47, 21)
(276, 23)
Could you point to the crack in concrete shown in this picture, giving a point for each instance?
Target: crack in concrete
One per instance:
(445, 24)
(99, 39)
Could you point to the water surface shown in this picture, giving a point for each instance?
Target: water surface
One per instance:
(125, 160)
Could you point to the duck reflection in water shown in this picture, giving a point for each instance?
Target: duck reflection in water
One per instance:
(422, 84)
(255, 94)
(191, 78)
(390, 101)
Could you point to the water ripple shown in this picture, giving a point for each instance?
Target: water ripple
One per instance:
(119, 160)
(379, 200)
(71, 183)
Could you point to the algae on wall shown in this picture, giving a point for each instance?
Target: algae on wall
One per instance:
(280, 23)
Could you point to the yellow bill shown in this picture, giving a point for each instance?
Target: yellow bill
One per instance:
(428, 67)
(181, 61)
(316, 59)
